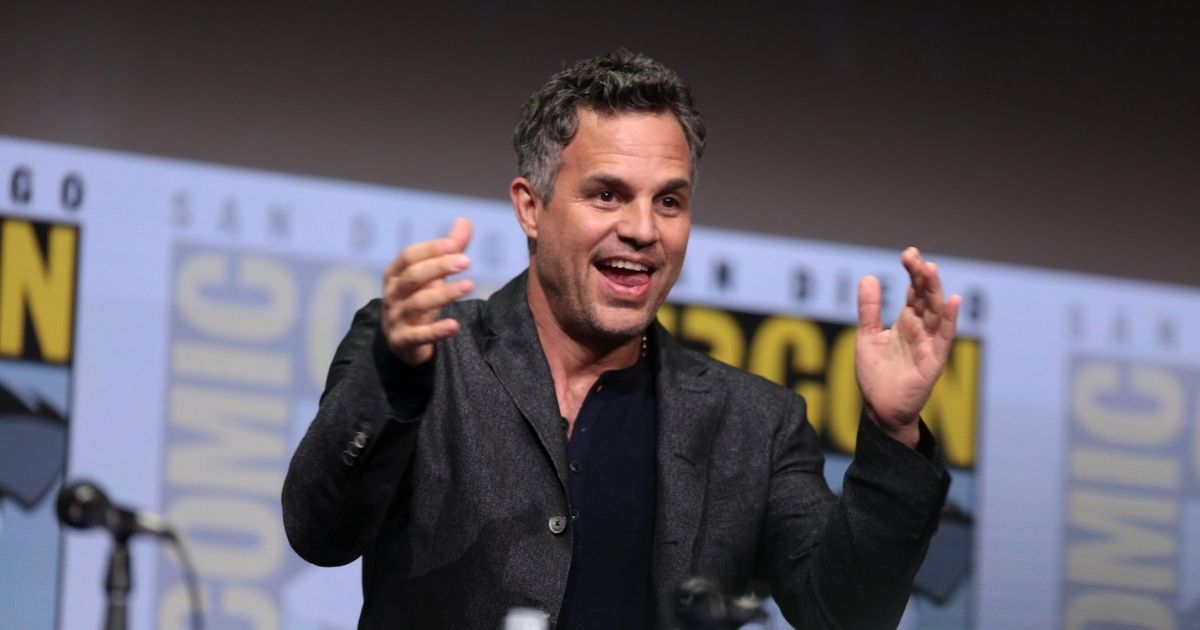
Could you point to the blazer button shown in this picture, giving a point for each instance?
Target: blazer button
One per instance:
(558, 524)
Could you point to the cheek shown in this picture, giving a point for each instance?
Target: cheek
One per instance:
(675, 241)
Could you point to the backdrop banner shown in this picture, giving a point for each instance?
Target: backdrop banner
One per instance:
(165, 328)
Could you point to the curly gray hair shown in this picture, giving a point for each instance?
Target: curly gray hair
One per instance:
(620, 81)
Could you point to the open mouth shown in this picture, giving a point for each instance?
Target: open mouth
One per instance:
(625, 277)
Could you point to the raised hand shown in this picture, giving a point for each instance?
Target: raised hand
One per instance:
(897, 367)
(415, 290)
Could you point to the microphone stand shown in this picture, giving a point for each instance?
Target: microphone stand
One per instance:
(118, 584)
(83, 505)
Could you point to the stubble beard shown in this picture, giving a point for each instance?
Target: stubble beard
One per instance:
(578, 315)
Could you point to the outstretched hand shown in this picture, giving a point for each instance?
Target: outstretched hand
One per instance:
(898, 366)
(415, 290)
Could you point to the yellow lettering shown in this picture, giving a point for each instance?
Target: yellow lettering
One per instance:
(950, 412)
(795, 352)
(716, 329)
(779, 335)
(668, 316)
(845, 400)
(42, 287)
(768, 358)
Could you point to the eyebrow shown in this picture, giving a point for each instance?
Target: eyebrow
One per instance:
(614, 182)
(676, 185)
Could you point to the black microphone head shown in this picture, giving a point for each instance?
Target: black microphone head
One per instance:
(82, 505)
(700, 604)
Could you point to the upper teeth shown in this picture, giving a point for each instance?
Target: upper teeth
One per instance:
(625, 264)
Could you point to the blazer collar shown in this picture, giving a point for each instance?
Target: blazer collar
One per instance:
(690, 405)
(514, 352)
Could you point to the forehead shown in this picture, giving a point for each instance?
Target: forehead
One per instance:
(636, 140)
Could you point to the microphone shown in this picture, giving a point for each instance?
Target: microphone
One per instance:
(701, 605)
(83, 505)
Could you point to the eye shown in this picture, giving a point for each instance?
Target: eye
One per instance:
(607, 196)
(672, 205)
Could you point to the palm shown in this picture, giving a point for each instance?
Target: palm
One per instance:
(897, 366)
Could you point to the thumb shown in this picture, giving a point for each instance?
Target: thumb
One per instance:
(870, 301)
(460, 234)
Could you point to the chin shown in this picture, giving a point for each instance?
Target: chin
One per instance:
(622, 326)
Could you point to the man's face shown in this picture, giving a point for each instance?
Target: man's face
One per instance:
(611, 241)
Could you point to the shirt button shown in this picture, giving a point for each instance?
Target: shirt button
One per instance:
(576, 467)
(558, 524)
(574, 514)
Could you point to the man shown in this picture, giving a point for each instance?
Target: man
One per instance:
(553, 447)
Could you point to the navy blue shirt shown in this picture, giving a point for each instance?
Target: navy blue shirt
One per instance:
(612, 489)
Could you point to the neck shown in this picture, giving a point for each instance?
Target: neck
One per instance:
(573, 357)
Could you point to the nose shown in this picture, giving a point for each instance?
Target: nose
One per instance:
(638, 224)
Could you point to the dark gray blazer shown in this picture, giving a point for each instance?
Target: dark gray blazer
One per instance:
(450, 503)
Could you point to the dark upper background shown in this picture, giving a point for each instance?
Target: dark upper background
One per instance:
(1042, 135)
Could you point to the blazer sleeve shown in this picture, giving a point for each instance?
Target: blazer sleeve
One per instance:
(856, 569)
(343, 476)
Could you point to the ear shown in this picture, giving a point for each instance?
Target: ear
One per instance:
(527, 205)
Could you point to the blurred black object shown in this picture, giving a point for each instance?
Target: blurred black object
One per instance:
(702, 606)
(83, 505)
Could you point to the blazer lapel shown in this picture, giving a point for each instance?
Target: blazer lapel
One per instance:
(513, 351)
(690, 402)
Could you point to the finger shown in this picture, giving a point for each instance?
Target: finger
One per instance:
(929, 304)
(434, 298)
(950, 318)
(870, 301)
(943, 340)
(455, 242)
(927, 301)
(925, 291)
(421, 273)
(933, 284)
(411, 254)
(424, 306)
(460, 234)
(911, 259)
(413, 336)
(424, 250)
(915, 266)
